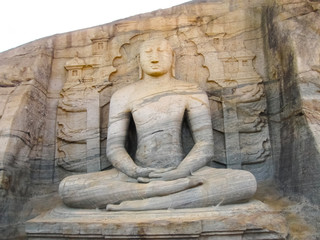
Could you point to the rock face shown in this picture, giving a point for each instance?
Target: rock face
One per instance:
(293, 94)
(258, 61)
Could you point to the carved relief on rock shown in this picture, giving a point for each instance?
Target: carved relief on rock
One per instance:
(100, 44)
(157, 105)
(78, 122)
(242, 102)
(237, 99)
(207, 52)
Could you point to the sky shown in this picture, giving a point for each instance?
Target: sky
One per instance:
(22, 21)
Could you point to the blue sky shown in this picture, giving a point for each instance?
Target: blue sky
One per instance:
(22, 21)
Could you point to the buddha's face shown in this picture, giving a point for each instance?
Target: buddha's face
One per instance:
(156, 57)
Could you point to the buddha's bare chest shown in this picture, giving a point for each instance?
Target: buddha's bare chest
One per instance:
(158, 109)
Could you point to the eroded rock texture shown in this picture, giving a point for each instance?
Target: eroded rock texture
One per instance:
(257, 60)
(292, 52)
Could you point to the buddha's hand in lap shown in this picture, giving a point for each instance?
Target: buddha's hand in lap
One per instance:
(143, 174)
(165, 174)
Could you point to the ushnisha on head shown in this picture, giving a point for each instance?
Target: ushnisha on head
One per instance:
(156, 58)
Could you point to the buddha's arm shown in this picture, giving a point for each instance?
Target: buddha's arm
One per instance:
(199, 119)
(198, 113)
(119, 118)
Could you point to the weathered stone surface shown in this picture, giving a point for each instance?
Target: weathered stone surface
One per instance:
(24, 78)
(292, 52)
(242, 221)
(159, 174)
(265, 120)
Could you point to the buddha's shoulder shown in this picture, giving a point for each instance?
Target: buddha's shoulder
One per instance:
(187, 86)
(125, 91)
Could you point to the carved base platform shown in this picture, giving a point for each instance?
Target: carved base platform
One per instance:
(253, 220)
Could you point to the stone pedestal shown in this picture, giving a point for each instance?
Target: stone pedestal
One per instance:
(253, 220)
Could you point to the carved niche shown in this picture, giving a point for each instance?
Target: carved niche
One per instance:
(242, 103)
(209, 54)
(79, 140)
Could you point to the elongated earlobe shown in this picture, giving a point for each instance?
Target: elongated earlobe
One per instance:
(173, 67)
(140, 68)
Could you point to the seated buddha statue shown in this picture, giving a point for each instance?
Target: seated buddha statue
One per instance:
(160, 175)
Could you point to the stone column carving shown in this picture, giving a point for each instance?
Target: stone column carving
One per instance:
(241, 86)
(78, 146)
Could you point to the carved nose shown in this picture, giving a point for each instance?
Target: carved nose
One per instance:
(154, 57)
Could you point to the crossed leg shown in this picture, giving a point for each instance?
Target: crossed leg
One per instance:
(220, 186)
(96, 190)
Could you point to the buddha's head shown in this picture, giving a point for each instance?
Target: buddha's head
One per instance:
(156, 58)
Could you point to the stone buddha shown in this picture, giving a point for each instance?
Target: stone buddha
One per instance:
(160, 175)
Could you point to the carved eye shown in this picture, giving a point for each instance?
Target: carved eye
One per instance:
(149, 50)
